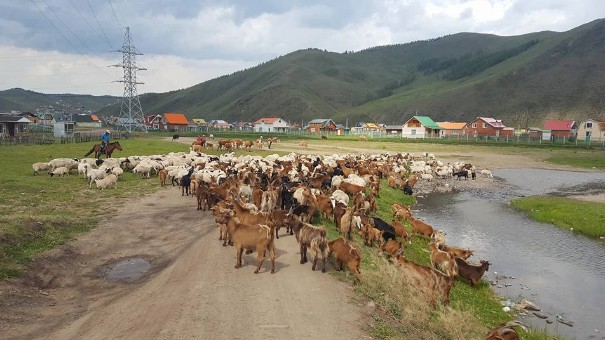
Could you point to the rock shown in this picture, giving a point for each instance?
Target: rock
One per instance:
(540, 315)
(528, 305)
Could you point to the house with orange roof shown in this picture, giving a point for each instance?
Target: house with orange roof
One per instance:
(173, 121)
(451, 129)
(271, 125)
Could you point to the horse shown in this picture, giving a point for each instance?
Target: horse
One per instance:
(110, 147)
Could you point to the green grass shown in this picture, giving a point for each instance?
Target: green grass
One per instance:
(581, 158)
(582, 217)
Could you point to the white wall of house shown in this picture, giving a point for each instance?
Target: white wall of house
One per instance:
(589, 130)
(278, 126)
(413, 132)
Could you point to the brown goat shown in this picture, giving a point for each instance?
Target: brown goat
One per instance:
(421, 227)
(346, 253)
(457, 252)
(309, 236)
(471, 273)
(350, 188)
(443, 260)
(401, 211)
(163, 173)
(393, 248)
(400, 231)
(433, 284)
(257, 237)
(338, 212)
(345, 225)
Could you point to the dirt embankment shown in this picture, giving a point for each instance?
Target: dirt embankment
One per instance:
(190, 290)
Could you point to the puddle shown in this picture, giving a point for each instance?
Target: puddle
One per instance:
(128, 270)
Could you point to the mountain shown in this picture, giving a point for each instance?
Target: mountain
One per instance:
(17, 99)
(522, 80)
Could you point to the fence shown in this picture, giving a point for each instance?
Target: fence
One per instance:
(42, 138)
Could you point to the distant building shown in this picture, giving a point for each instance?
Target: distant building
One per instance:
(153, 121)
(271, 125)
(393, 130)
(174, 122)
(561, 128)
(322, 125)
(592, 130)
(488, 127)
(420, 127)
(86, 121)
(220, 124)
(451, 129)
(12, 125)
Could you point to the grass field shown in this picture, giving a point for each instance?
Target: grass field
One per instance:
(587, 218)
(39, 213)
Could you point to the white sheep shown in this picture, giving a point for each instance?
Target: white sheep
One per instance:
(106, 182)
(143, 170)
(40, 166)
(60, 171)
(427, 177)
(486, 173)
(70, 163)
(117, 171)
(95, 174)
(341, 196)
(83, 167)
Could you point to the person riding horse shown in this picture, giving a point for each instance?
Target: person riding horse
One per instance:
(105, 140)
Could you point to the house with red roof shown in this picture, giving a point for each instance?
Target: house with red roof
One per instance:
(561, 128)
(271, 125)
(172, 121)
(488, 127)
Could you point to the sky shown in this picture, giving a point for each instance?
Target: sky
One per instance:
(71, 46)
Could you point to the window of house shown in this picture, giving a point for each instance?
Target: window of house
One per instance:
(474, 125)
(484, 125)
(588, 125)
(413, 132)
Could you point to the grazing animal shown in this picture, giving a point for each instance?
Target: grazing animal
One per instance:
(392, 248)
(176, 138)
(346, 253)
(421, 227)
(185, 182)
(324, 137)
(309, 237)
(506, 331)
(457, 252)
(400, 231)
(387, 231)
(257, 237)
(303, 144)
(433, 284)
(442, 260)
(471, 273)
(163, 173)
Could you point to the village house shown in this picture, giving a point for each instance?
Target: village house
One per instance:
(420, 127)
(86, 121)
(561, 129)
(153, 121)
(395, 130)
(451, 129)
(271, 125)
(592, 130)
(323, 125)
(488, 127)
(174, 122)
(12, 125)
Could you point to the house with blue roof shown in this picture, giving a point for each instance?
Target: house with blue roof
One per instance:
(325, 125)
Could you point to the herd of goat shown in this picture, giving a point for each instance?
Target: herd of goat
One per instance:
(253, 197)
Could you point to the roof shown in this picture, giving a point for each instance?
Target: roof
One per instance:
(95, 118)
(451, 125)
(427, 122)
(267, 120)
(393, 127)
(82, 118)
(176, 118)
(559, 125)
(494, 123)
(322, 121)
(199, 120)
(9, 118)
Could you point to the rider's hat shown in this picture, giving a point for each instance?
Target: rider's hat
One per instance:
(108, 131)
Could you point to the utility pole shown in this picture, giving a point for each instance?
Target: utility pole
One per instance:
(131, 115)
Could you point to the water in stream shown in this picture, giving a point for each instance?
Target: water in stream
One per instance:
(558, 270)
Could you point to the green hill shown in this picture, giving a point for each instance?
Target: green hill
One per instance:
(522, 80)
(24, 100)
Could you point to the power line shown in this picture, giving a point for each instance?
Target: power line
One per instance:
(117, 18)
(89, 24)
(98, 23)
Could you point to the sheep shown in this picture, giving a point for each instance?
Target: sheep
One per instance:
(70, 163)
(83, 167)
(40, 166)
(117, 171)
(486, 173)
(59, 171)
(142, 169)
(106, 182)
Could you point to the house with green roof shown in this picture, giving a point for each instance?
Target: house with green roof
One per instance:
(420, 127)
(322, 125)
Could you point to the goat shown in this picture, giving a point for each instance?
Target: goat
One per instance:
(400, 231)
(505, 331)
(387, 231)
(257, 237)
(471, 273)
(442, 260)
(432, 283)
(185, 182)
(309, 236)
(346, 253)
(421, 227)
(457, 252)
(345, 225)
(392, 248)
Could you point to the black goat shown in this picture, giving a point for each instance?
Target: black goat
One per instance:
(185, 182)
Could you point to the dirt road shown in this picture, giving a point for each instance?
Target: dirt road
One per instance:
(190, 289)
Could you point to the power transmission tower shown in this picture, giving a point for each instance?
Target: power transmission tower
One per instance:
(131, 116)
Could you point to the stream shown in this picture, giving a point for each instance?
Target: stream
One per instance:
(558, 270)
